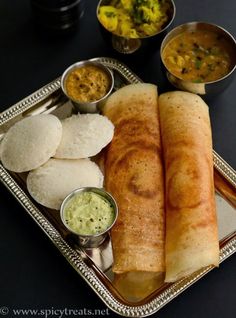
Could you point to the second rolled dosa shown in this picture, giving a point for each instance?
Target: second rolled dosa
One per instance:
(191, 224)
(134, 176)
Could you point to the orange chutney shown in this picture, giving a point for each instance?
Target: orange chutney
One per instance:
(87, 83)
(198, 56)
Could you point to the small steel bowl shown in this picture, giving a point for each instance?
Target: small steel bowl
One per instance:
(93, 240)
(87, 107)
(207, 89)
(130, 45)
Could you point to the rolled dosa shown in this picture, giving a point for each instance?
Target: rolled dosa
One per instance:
(191, 223)
(134, 176)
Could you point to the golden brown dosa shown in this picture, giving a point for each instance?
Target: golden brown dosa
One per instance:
(191, 224)
(134, 176)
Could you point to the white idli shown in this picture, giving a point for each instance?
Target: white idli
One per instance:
(31, 142)
(52, 182)
(84, 136)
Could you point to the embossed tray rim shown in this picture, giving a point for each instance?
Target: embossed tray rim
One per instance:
(74, 258)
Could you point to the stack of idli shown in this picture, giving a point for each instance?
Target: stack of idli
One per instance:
(30, 144)
(52, 182)
(84, 136)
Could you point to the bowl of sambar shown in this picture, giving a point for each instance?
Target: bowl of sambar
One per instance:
(199, 57)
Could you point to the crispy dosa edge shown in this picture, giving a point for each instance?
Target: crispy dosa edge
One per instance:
(135, 286)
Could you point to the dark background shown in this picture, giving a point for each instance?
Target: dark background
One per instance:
(33, 274)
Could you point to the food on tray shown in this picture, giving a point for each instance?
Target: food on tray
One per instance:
(52, 182)
(134, 18)
(89, 213)
(134, 176)
(198, 56)
(84, 136)
(191, 224)
(143, 247)
(31, 142)
(87, 83)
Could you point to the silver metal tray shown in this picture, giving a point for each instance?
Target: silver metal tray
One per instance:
(94, 265)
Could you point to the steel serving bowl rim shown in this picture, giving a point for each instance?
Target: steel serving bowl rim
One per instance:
(96, 190)
(197, 23)
(142, 37)
(79, 65)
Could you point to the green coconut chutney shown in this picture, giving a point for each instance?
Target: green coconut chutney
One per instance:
(89, 213)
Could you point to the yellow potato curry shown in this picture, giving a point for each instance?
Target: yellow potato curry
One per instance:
(198, 56)
(134, 18)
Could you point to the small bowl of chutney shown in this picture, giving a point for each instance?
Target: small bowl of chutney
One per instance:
(89, 213)
(199, 57)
